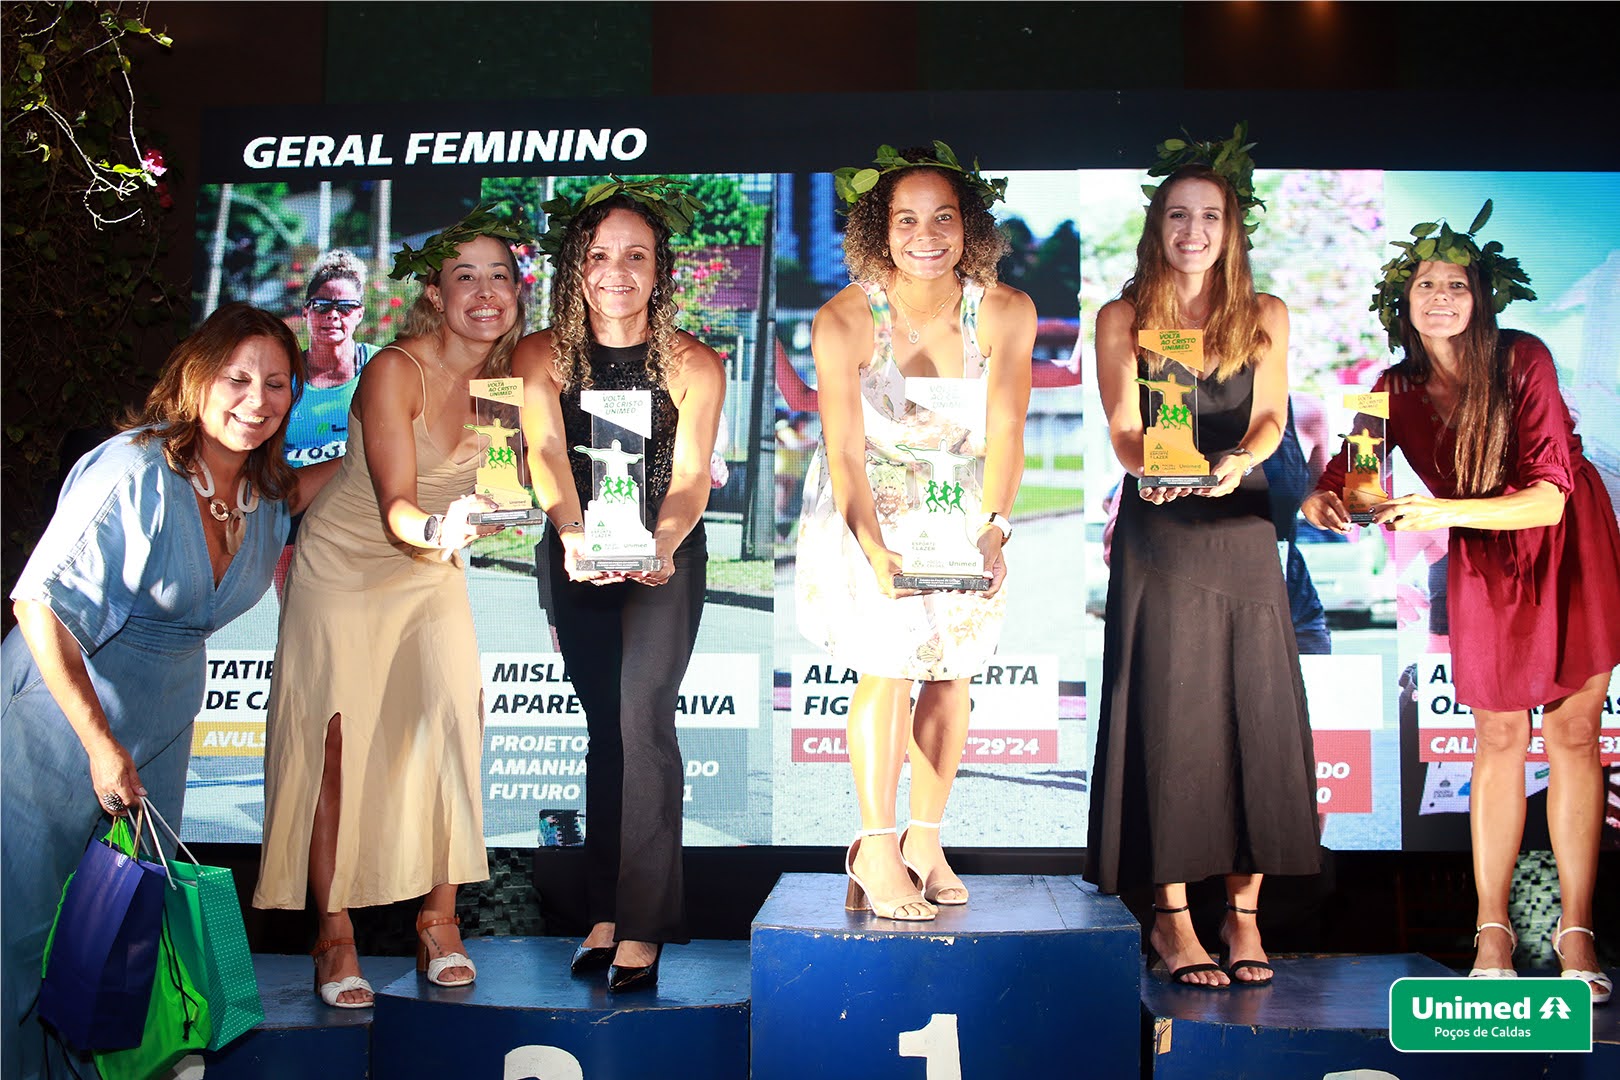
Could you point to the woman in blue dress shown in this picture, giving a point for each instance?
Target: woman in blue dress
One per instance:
(163, 534)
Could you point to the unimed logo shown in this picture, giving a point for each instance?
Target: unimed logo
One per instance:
(1490, 1015)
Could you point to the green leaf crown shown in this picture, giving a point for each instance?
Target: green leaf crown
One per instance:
(1439, 242)
(1229, 159)
(425, 261)
(664, 196)
(853, 181)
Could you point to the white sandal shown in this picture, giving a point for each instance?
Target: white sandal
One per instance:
(1601, 985)
(1497, 972)
(435, 968)
(330, 992)
(931, 891)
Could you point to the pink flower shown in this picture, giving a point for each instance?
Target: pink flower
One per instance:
(395, 301)
(152, 162)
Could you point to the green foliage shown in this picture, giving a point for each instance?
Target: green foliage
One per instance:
(665, 197)
(1229, 158)
(83, 233)
(1437, 241)
(480, 221)
(726, 217)
(853, 181)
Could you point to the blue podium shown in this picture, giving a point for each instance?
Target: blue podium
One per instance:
(526, 1018)
(1034, 972)
(301, 1037)
(1324, 1015)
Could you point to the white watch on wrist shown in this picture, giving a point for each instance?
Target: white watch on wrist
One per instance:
(1001, 523)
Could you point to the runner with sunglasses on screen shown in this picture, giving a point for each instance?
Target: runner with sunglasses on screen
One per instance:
(318, 430)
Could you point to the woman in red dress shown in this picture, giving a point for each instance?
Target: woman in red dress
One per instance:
(1534, 577)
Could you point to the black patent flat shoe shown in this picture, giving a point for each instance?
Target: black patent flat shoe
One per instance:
(587, 959)
(623, 980)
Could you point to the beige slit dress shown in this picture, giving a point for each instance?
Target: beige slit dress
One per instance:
(380, 633)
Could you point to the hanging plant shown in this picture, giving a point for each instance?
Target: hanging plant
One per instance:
(83, 229)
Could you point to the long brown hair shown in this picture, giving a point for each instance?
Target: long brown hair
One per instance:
(570, 316)
(173, 409)
(424, 320)
(866, 233)
(1233, 335)
(1483, 417)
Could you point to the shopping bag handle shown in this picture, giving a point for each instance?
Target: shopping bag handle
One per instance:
(145, 819)
(179, 845)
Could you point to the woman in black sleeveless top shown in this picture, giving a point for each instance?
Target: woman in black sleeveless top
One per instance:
(1204, 763)
(612, 328)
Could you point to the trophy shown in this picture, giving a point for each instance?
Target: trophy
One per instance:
(1170, 456)
(1367, 473)
(616, 536)
(938, 545)
(498, 405)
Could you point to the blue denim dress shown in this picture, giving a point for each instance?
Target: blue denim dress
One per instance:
(124, 565)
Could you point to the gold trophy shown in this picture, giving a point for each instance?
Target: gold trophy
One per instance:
(1170, 454)
(1367, 480)
(502, 463)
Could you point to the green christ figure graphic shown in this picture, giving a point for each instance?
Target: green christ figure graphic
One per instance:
(944, 492)
(617, 485)
(500, 454)
(1173, 410)
(1363, 458)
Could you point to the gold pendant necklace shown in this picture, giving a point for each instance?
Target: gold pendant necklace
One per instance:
(914, 335)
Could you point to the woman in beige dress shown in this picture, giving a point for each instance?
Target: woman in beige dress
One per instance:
(372, 790)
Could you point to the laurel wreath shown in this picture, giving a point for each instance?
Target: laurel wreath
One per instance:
(1437, 241)
(854, 181)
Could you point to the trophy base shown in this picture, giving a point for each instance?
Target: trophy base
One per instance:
(1362, 517)
(941, 582)
(522, 516)
(1178, 481)
(620, 564)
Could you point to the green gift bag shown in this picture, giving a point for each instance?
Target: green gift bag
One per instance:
(205, 918)
(176, 1018)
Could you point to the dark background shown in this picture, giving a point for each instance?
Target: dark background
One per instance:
(1449, 66)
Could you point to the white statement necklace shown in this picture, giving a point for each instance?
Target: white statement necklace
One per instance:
(247, 501)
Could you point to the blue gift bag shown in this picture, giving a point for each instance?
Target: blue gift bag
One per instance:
(102, 953)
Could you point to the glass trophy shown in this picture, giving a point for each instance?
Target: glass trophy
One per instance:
(502, 464)
(1367, 481)
(938, 542)
(1170, 455)
(616, 535)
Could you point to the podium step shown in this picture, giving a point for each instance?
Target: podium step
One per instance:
(1322, 1017)
(1033, 972)
(300, 1036)
(527, 1018)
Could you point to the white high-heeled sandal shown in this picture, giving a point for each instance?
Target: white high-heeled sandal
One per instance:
(329, 992)
(930, 892)
(1601, 985)
(857, 898)
(1496, 972)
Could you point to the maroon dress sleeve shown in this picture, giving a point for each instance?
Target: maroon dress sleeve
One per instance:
(1541, 421)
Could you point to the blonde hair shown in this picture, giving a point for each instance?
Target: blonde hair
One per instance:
(173, 409)
(423, 320)
(1233, 335)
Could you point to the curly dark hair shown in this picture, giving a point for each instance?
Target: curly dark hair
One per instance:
(866, 232)
(570, 317)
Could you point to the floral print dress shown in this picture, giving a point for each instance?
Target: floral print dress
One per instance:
(932, 637)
